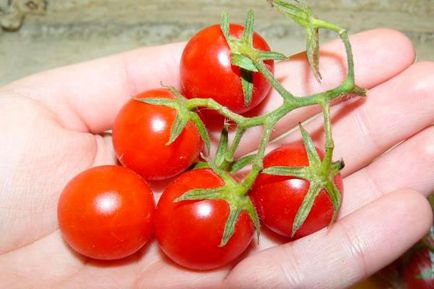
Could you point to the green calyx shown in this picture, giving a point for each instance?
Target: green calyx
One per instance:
(183, 116)
(318, 178)
(243, 52)
(236, 197)
(233, 192)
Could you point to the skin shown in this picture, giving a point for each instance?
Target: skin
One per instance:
(51, 131)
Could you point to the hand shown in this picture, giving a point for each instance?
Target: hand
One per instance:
(53, 126)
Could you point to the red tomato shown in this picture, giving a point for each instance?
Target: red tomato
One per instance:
(207, 72)
(189, 232)
(419, 263)
(278, 198)
(140, 135)
(105, 212)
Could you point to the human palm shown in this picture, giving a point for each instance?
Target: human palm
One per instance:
(53, 126)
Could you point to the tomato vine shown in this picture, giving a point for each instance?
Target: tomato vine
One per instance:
(250, 60)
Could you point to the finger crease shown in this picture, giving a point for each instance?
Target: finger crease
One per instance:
(360, 119)
(291, 267)
(373, 184)
(355, 246)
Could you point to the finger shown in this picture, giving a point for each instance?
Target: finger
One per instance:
(156, 277)
(378, 55)
(87, 96)
(392, 112)
(409, 165)
(27, 268)
(24, 267)
(354, 248)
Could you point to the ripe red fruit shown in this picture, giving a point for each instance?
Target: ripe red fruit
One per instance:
(190, 232)
(278, 198)
(207, 72)
(105, 212)
(140, 135)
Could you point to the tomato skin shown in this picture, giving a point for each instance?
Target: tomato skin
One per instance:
(106, 212)
(189, 232)
(141, 132)
(206, 70)
(417, 264)
(278, 198)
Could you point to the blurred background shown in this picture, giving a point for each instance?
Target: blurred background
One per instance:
(60, 32)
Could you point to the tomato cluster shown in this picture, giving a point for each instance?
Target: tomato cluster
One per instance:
(206, 217)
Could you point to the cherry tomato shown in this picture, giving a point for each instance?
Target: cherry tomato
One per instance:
(278, 198)
(207, 72)
(419, 263)
(105, 212)
(140, 135)
(189, 232)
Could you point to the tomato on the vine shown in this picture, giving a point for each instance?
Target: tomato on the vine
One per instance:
(420, 264)
(141, 133)
(189, 232)
(106, 212)
(278, 198)
(207, 72)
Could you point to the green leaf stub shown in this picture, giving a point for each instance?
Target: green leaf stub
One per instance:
(247, 83)
(158, 101)
(243, 62)
(202, 130)
(306, 206)
(224, 24)
(242, 163)
(248, 28)
(312, 51)
(222, 147)
(201, 194)
(178, 126)
(234, 213)
(312, 154)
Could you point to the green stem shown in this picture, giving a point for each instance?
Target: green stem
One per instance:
(290, 102)
(258, 162)
(274, 82)
(212, 104)
(349, 82)
(329, 146)
(320, 172)
(234, 145)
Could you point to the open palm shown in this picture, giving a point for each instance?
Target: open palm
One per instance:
(53, 127)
